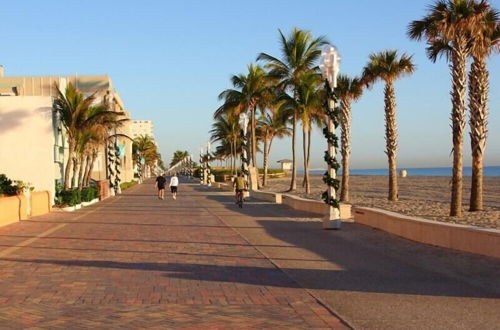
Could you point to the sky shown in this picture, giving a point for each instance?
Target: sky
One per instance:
(169, 60)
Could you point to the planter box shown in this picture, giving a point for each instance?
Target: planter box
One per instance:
(87, 203)
(78, 206)
(13, 209)
(40, 203)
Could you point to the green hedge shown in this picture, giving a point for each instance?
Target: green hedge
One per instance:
(89, 193)
(71, 197)
(126, 185)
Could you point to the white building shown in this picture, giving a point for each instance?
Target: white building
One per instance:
(141, 127)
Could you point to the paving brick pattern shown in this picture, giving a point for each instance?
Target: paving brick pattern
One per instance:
(134, 261)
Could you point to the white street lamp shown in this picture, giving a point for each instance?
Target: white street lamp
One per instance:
(243, 121)
(202, 168)
(209, 178)
(330, 66)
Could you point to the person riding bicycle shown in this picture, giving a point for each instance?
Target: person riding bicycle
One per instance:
(240, 185)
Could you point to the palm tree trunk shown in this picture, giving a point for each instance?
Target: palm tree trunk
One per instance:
(80, 173)
(67, 170)
(254, 138)
(293, 183)
(264, 165)
(345, 148)
(458, 68)
(91, 167)
(75, 172)
(391, 136)
(86, 171)
(304, 149)
(478, 99)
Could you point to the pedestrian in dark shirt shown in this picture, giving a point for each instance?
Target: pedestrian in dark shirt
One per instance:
(160, 184)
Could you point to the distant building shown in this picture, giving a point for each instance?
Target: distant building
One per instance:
(141, 127)
(286, 164)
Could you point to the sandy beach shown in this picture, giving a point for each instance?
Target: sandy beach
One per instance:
(423, 196)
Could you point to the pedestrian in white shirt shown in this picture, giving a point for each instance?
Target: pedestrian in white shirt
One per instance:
(174, 182)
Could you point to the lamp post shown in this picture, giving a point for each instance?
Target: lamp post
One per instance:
(244, 159)
(202, 169)
(189, 167)
(209, 178)
(330, 66)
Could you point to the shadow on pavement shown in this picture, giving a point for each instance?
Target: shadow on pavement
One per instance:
(372, 260)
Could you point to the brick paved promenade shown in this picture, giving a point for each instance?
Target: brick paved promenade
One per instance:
(134, 261)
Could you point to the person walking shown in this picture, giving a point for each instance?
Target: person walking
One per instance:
(160, 184)
(174, 182)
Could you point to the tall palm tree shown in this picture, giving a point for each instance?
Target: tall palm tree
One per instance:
(144, 150)
(178, 156)
(389, 66)
(226, 130)
(311, 100)
(483, 43)
(452, 22)
(249, 93)
(299, 54)
(272, 126)
(348, 89)
(77, 114)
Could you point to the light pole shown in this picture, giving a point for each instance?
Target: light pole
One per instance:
(244, 160)
(330, 66)
(209, 178)
(202, 170)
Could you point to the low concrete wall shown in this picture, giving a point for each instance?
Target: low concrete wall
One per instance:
(12, 209)
(458, 237)
(315, 207)
(40, 203)
(267, 196)
(308, 205)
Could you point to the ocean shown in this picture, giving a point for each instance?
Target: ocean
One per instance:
(417, 171)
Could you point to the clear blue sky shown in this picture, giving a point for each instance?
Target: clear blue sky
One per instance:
(170, 59)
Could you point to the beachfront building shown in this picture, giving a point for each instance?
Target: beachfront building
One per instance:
(141, 127)
(33, 146)
(286, 164)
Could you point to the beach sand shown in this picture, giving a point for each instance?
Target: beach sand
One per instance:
(422, 196)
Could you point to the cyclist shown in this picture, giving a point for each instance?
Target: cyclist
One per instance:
(240, 185)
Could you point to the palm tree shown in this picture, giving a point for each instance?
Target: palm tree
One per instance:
(452, 22)
(78, 114)
(144, 153)
(178, 156)
(272, 126)
(226, 130)
(311, 100)
(389, 66)
(347, 90)
(299, 53)
(483, 43)
(249, 93)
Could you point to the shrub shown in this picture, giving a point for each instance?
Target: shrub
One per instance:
(271, 171)
(87, 194)
(71, 197)
(126, 185)
(11, 188)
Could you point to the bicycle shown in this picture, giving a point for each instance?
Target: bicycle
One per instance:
(239, 198)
